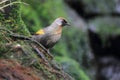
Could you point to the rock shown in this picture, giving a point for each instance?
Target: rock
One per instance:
(104, 36)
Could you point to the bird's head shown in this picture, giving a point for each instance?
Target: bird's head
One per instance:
(61, 22)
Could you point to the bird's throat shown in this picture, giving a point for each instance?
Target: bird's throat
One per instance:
(58, 30)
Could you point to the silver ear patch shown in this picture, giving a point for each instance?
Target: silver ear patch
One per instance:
(59, 22)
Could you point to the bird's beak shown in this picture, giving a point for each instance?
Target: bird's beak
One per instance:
(67, 24)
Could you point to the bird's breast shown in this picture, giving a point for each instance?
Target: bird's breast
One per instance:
(51, 40)
(57, 34)
(55, 37)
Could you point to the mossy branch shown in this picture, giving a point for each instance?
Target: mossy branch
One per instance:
(28, 38)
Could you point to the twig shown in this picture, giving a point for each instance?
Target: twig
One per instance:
(12, 4)
(3, 1)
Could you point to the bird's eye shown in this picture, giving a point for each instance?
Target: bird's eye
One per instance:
(64, 21)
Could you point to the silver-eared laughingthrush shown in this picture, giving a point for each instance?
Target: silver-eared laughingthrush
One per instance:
(50, 35)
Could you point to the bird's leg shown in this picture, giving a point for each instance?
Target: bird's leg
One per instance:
(48, 51)
(39, 53)
(49, 54)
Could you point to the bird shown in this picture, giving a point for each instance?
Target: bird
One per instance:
(47, 37)
(51, 34)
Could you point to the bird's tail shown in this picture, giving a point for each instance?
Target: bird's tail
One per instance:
(16, 36)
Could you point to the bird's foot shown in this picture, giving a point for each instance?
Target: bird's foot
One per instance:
(49, 54)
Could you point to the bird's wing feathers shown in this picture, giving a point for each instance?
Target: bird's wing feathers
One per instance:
(41, 31)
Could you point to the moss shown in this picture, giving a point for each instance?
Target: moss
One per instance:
(11, 20)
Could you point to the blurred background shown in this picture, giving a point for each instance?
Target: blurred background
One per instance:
(90, 47)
